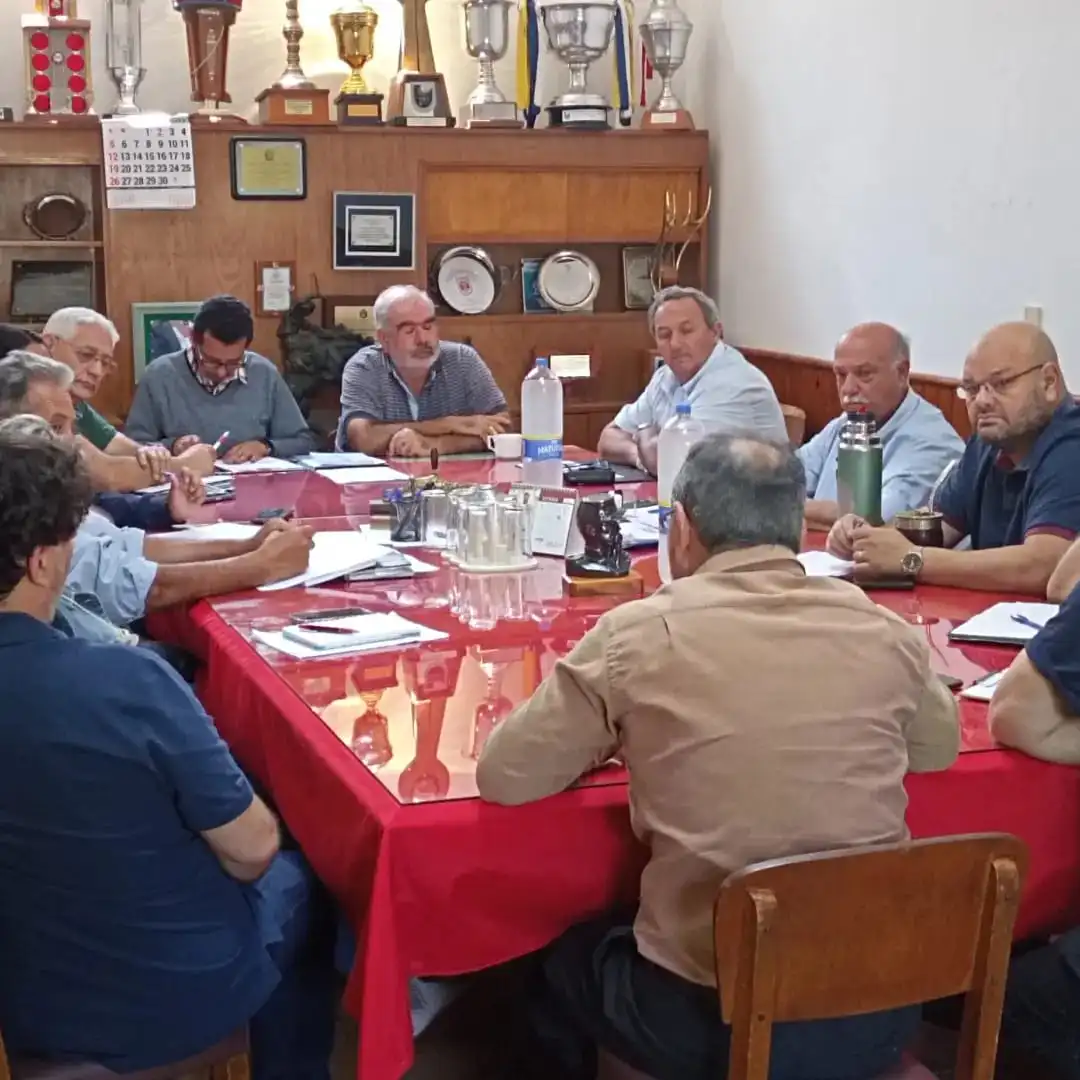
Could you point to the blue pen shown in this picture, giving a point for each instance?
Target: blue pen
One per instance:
(1023, 620)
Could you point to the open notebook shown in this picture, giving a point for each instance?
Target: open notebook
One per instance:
(1013, 622)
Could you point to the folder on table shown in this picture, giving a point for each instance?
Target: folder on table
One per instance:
(1013, 622)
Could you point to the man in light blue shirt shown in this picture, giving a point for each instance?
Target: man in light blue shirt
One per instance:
(726, 393)
(872, 365)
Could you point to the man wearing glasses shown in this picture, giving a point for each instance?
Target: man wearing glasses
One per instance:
(1015, 493)
(218, 391)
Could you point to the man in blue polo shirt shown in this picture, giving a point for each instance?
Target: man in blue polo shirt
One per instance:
(145, 913)
(1015, 493)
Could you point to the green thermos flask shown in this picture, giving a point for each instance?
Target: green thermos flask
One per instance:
(858, 468)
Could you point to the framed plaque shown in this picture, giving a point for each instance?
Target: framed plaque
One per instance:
(266, 168)
(158, 329)
(638, 288)
(353, 312)
(275, 287)
(374, 231)
(40, 288)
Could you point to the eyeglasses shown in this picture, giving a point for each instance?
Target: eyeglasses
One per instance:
(88, 357)
(969, 391)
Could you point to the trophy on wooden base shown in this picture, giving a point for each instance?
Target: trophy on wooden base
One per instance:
(487, 35)
(123, 52)
(294, 98)
(579, 33)
(666, 33)
(354, 31)
(207, 23)
(418, 96)
(56, 49)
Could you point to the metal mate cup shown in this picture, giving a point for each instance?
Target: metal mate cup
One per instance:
(579, 33)
(925, 528)
(354, 32)
(665, 32)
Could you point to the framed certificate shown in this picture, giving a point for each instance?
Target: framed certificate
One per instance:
(265, 168)
(374, 231)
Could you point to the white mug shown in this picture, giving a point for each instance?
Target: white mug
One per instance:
(506, 447)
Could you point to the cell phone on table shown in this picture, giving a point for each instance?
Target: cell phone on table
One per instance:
(327, 613)
(263, 516)
(951, 682)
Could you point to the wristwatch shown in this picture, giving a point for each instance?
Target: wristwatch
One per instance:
(912, 563)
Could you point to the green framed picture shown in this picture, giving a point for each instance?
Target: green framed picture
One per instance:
(158, 329)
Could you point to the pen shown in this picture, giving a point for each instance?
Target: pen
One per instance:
(1023, 620)
(221, 442)
(323, 629)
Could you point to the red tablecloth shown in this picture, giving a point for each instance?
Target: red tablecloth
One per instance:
(452, 887)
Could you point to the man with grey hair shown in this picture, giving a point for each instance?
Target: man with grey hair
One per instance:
(761, 714)
(725, 392)
(411, 393)
(85, 341)
(872, 366)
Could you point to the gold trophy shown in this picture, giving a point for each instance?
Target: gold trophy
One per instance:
(294, 98)
(418, 96)
(354, 30)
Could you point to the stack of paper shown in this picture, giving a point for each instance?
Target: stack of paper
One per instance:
(822, 564)
(219, 530)
(373, 474)
(263, 465)
(1011, 623)
(333, 555)
(218, 488)
(983, 690)
(343, 460)
(640, 527)
(369, 632)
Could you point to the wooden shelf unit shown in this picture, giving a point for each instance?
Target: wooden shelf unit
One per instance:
(511, 192)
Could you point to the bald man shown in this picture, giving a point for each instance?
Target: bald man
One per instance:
(1015, 494)
(872, 365)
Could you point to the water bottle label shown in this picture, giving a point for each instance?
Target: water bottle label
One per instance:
(543, 449)
(664, 516)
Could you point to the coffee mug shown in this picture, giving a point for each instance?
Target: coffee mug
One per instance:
(506, 446)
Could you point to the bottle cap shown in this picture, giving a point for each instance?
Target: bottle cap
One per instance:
(542, 361)
(683, 408)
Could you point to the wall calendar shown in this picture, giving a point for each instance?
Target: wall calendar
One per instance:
(149, 163)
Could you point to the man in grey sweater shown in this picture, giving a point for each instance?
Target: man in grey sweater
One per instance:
(218, 392)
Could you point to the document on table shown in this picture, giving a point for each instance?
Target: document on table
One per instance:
(333, 555)
(263, 465)
(983, 689)
(1011, 623)
(219, 530)
(345, 460)
(822, 564)
(373, 631)
(375, 474)
(640, 527)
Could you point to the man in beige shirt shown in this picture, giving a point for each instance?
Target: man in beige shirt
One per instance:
(761, 714)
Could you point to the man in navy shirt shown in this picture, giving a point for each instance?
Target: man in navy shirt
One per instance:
(145, 912)
(1015, 493)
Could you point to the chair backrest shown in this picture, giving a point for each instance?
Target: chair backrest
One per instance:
(795, 422)
(868, 929)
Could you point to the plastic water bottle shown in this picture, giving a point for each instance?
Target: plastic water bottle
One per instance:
(676, 438)
(542, 426)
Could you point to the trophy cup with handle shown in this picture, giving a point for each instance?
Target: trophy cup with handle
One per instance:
(123, 52)
(665, 33)
(207, 24)
(487, 35)
(579, 33)
(294, 98)
(354, 31)
(418, 96)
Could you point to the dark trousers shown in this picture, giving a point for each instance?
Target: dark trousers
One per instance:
(596, 990)
(1042, 1005)
(292, 1035)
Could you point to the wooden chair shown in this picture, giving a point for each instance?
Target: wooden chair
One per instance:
(849, 932)
(227, 1060)
(795, 420)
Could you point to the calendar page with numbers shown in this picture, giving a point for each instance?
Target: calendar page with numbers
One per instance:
(149, 162)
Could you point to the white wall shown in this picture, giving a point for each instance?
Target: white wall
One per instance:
(916, 161)
(909, 160)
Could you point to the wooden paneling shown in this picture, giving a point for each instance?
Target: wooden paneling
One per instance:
(808, 383)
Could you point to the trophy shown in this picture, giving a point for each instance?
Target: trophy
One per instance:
(56, 50)
(603, 568)
(354, 30)
(579, 33)
(487, 35)
(418, 95)
(294, 98)
(666, 262)
(123, 52)
(207, 23)
(665, 34)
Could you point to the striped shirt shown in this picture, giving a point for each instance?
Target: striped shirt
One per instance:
(459, 383)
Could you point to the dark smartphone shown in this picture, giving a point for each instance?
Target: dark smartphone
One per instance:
(951, 682)
(327, 613)
(894, 583)
(263, 516)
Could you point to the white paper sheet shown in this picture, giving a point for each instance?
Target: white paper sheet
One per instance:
(641, 527)
(264, 465)
(344, 460)
(334, 555)
(999, 624)
(376, 474)
(277, 640)
(219, 530)
(822, 564)
(983, 690)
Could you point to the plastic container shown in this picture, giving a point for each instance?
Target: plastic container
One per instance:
(542, 426)
(676, 437)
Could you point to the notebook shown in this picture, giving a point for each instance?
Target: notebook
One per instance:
(1014, 622)
(381, 631)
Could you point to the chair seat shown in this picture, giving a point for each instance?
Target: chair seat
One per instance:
(26, 1069)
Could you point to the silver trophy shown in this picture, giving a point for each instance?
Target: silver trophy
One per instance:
(487, 35)
(293, 77)
(666, 34)
(579, 33)
(123, 52)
